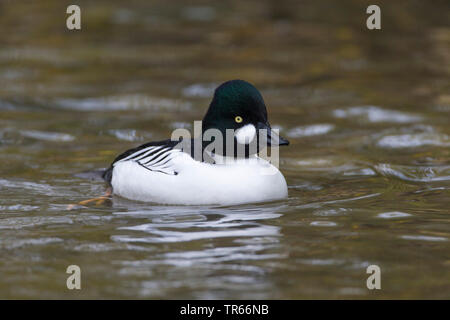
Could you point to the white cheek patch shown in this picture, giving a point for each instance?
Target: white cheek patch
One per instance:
(246, 134)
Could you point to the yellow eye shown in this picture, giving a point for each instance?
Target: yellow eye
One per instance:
(238, 119)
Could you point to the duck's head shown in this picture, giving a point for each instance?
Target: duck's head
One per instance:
(239, 106)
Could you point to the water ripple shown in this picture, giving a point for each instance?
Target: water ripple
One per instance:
(31, 222)
(423, 238)
(18, 243)
(392, 215)
(47, 136)
(41, 188)
(202, 90)
(323, 224)
(376, 114)
(311, 130)
(130, 134)
(414, 173)
(414, 140)
(124, 102)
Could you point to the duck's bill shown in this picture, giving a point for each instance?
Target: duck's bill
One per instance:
(273, 138)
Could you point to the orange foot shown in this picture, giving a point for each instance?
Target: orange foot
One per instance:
(97, 201)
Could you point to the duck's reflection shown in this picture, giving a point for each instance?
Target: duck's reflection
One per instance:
(207, 248)
(169, 224)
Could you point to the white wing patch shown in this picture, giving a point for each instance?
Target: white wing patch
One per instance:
(155, 158)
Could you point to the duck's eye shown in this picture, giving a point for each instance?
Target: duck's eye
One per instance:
(238, 119)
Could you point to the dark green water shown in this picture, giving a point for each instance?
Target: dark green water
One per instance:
(368, 168)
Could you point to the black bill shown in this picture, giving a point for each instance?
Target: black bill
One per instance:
(273, 138)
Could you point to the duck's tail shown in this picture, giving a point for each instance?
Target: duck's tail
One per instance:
(95, 175)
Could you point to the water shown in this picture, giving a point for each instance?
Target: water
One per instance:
(368, 167)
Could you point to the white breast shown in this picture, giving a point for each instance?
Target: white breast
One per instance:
(199, 183)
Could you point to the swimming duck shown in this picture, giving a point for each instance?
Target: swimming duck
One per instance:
(162, 172)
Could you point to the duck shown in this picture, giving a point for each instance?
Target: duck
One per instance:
(163, 172)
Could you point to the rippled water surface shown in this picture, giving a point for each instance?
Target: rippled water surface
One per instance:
(368, 168)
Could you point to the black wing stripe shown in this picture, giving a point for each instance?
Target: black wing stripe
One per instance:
(173, 173)
(162, 164)
(149, 153)
(153, 156)
(140, 153)
(157, 163)
(158, 159)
